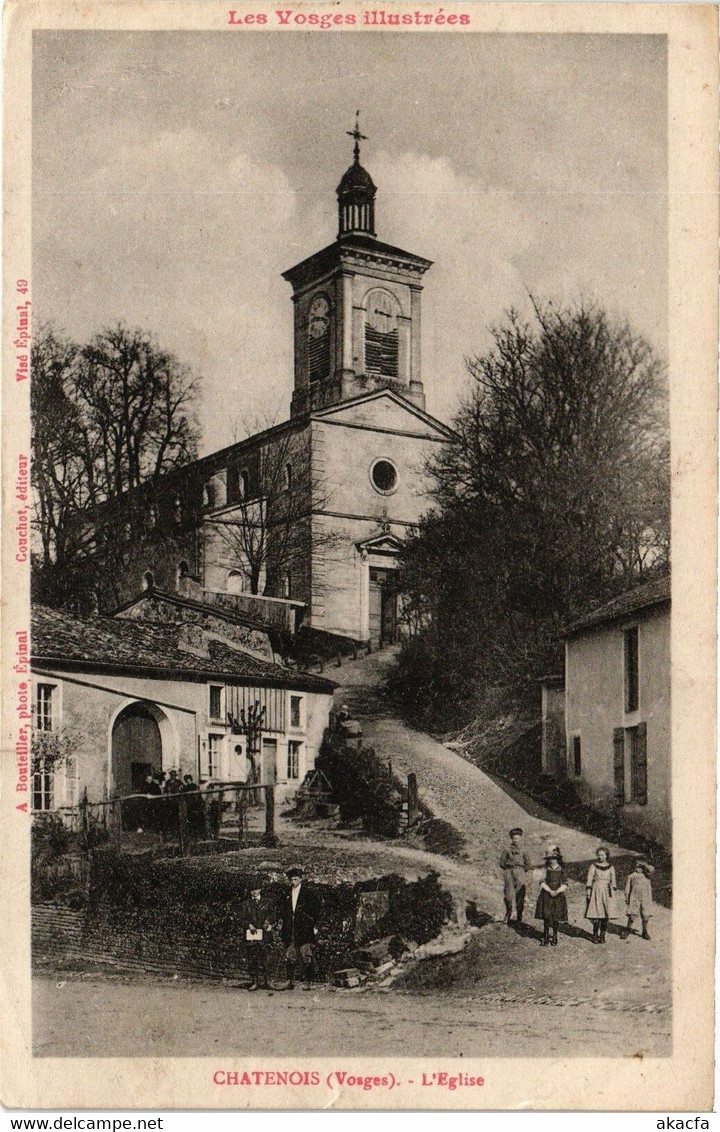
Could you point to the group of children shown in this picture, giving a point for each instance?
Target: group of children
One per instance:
(600, 891)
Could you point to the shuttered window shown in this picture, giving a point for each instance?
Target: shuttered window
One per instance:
(576, 756)
(638, 763)
(619, 764)
(633, 742)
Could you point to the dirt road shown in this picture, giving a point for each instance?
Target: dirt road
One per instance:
(460, 792)
(99, 1017)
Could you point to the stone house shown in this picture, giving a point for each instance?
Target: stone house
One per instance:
(617, 709)
(145, 694)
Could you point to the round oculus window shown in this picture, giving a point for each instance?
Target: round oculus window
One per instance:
(384, 476)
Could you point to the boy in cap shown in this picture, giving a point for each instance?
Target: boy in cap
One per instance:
(299, 915)
(514, 863)
(255, 921)
(638, 896)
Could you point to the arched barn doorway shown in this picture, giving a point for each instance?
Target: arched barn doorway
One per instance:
(136, 748)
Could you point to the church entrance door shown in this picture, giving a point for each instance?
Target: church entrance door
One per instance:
(382, 606)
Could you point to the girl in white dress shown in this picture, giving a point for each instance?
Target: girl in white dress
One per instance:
(600, 889)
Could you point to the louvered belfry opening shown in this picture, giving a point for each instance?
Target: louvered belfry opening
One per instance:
(381, 352)
(357, 212)
(319, 357)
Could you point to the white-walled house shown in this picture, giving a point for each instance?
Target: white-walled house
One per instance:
(617, 709)
(137, 696)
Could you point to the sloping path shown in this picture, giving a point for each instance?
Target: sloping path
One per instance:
(460, 792)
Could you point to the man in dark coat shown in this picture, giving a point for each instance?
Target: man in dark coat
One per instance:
(173, 784)
(300, 911)
(255, 922)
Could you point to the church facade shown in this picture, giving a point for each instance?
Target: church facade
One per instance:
(312, 513)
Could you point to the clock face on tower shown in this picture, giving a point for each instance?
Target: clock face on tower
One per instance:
(319, 317)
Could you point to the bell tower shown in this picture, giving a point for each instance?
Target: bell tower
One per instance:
(357, 307)
(356, 193)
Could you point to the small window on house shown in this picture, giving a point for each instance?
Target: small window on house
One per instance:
(216, 701)
(295, 711)
(244, 484)
(214, 748)
(288, 477)
(149, 579)
(287, 585)
(576, 756)
(632, 669)
(208, 496)
(293, 759)
(177, 509)
(152, 516)
(43, 789)
(44, 716)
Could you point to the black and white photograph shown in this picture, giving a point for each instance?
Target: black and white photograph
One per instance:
(345, 729)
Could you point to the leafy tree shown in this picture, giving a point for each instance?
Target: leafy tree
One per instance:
(555, 495)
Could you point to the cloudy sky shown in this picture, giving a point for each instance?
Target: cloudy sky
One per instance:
(175, 175)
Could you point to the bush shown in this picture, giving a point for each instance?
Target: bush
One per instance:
(361, 785)
(418, 910)
(438, 836)
(50, 839)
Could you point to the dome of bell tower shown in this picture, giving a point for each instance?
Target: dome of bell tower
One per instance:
(356, 193)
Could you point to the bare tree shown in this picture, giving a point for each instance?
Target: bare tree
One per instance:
(555, 495)
(106, 417)
(57, 469)
(275, 491)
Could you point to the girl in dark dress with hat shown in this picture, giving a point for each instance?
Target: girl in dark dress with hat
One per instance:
(551, 905)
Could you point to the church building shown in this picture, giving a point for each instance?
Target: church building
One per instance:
(312, 513)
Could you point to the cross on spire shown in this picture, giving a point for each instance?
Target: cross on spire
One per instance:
(358, 136)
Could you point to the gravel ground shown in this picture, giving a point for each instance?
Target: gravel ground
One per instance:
(93, 1017)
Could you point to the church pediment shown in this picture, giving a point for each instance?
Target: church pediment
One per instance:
(384, 543)
(386, 411)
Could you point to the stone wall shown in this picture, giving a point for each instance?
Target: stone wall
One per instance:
(153, 931)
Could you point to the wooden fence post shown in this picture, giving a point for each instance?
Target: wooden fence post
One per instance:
(182, 824)
(413, 811)
(84, 814)
(269, 837)
(241, 817)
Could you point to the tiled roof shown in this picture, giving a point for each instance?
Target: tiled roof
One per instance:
(223, 612)
(150, 648)
(625, 604)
